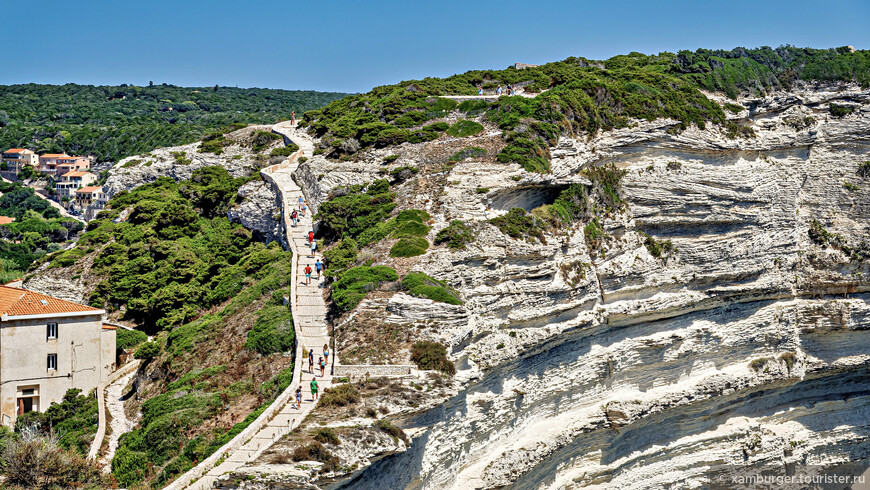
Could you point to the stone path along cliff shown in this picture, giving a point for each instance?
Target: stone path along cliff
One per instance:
(309, 319)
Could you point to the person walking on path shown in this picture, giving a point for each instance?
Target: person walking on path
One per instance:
(480, 90)
(313, 247)
(304, 208)
(307, 275)
(295, 217)
(301, 202)
(498, 90)
(326, 352)
(293, 118)
(318, 266)
(322, 367)
(311, 361)
(314, 390)
(299, 397)
(310, 237)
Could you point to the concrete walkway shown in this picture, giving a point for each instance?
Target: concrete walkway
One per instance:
(309, 318)
(119, 424)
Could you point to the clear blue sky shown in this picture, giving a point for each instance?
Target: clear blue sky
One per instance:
(352, 46)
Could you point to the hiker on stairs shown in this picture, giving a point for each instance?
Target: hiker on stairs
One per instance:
(314, 390)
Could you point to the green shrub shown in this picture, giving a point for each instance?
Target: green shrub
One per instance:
(128, 339)
(733, 108)
(262, 139)
(838, 110)
(67, 258)
(316, 452)
(353, 284)
(431, 356)
(391, 158)
(386, 427)
(148, 350)
(658, 248)
(355, 212)
(519, 224)
(341, 257)
(463, 128)
(481, 190)
(340, 395)
(758, 364)
(420, 285)
(409, 247)
(863, 169)
(74, 420)
(272, 331)
(326, 435)
(594, 234)
(470, 152)
(456, 235)
(403, 173)
(284, 151)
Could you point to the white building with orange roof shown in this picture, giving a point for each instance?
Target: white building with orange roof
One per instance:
(72, 164)
(71, 181)
(16, 158)
(48, 346)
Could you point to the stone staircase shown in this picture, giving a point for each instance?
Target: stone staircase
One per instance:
(309, 319)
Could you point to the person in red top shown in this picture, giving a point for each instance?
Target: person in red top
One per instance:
(307, 275)
(310, 237)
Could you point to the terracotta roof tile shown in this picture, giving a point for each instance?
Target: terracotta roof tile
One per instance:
(17, 301)
(54, 155)
(14, 150)
(5, 220)
(90, 188)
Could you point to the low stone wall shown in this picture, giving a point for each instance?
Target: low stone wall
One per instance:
(371, 370)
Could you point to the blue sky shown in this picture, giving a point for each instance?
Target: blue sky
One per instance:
(351, 46)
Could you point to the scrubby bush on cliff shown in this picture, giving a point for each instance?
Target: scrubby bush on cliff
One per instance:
(33, 460)
(128, 339)
(352, 285)
(74, 420)
(340, 395)
(421, 285)
(519, 224)
(431, 355)
(456, 235)
(359, 209)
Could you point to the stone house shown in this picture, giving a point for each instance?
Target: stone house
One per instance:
(47, 346)
(48, 162)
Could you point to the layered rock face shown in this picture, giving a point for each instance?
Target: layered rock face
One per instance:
(749, 344)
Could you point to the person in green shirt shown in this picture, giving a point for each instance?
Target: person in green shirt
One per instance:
(314, 389)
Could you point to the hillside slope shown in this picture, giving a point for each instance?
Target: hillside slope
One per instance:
(663, 302)
(113, 122)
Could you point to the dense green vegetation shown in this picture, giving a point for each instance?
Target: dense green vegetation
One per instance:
(356, 212)
(160, 439)
(73, 420)
(351, 286)
(465, 128)
(421, 285)
(581, 97)
(409, 228)
(37, 230)
(128, 339)
(113, 122)
(176, 254)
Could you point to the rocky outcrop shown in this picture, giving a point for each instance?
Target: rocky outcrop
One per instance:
(619, 366)
(179, 162)
(258, 210)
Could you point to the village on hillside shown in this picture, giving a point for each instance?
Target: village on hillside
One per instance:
(74, 184)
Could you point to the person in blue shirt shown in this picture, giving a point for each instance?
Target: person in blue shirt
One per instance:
(318, 266)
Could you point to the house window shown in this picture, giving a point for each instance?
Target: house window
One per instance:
(51, 331)
(52, 362)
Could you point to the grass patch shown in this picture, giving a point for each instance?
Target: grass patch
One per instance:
(409, 247)
(521, 225)
(464, 128)
(326, 435)
(838, 110)
(421, 285)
